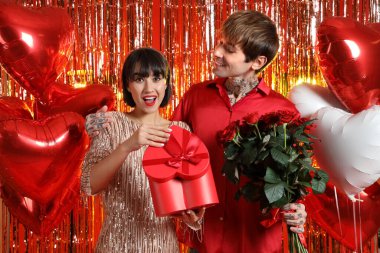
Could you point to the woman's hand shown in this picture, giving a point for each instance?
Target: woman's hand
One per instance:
(295, 216)
(97, 121)
(155, 136)
(192, 218)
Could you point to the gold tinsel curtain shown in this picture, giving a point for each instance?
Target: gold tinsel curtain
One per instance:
(186, 31)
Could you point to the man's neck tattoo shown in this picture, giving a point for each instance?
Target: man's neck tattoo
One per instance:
(238, 88)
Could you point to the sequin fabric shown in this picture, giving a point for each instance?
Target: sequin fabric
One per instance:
(130, 224)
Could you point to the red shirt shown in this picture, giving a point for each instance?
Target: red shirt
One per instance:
(231, 226)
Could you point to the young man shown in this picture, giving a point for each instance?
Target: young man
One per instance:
(248, 43)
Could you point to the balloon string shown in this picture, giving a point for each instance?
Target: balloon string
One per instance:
(355, 232)
(360, 226)
(338, 211)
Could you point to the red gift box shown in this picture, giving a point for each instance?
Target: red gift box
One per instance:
(179, 174)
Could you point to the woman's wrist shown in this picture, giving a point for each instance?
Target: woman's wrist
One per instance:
(124, 149)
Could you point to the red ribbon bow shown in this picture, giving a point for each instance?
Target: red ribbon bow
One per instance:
(188, 152)
(181, 157)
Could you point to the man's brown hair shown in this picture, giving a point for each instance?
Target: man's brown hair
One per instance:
(254, 32)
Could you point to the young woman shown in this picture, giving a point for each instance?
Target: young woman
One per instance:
(113, 165)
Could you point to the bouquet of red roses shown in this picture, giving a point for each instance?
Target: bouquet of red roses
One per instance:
(274, 152)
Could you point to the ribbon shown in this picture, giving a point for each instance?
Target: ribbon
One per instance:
(188, 153)
(270, 218)
(181, 155)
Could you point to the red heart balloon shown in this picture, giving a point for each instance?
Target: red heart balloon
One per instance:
(40, 161)
(39, 158)
(62, 98)
(35, 44)
(14, 108)
(41, 218)
(349, 56)
(322, 209)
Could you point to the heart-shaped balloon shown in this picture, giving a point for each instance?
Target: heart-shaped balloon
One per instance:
(348, 145)
(323, 209)
(62, 98)
(308, 99)
(35, 44)
(39, 158)
(14, 108)
(349, 58)
(41, 218)
(347, 130)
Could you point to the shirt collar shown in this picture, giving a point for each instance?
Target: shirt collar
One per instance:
(262, 86)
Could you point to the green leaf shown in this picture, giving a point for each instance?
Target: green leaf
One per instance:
(311, 136)
(307, 184)
(303, 138)
(249, 153)
(304, 175)
(281, 202)
(289, 189)
(230, 170)
(305, 151)
(274, 192)
(263, 154)
(279, 156)
(298, 132)
(250, 192)
(293, 156)
(323, 175)
(271, 176)
(318, 183)
(278, 142)
(307, 123)
(307, 163)
(231, 151)
(318, 186)
(292, 167)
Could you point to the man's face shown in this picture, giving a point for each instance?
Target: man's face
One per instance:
(229, 61)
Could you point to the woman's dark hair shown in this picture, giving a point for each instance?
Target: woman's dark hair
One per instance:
(145, 61)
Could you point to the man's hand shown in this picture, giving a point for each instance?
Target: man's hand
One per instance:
(295, 216)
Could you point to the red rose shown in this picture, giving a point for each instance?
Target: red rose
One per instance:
(245, 128)
(287, 116)
(251, 118)
(268, 120)
(228, 134)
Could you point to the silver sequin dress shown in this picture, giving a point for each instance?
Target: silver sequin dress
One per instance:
(130, 223)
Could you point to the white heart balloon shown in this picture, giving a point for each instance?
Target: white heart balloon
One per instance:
(349, 144)
(310, 98)
(349, 147)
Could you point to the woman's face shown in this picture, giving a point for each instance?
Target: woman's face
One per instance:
(147, 92)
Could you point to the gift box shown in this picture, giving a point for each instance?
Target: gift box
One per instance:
(179, 174)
